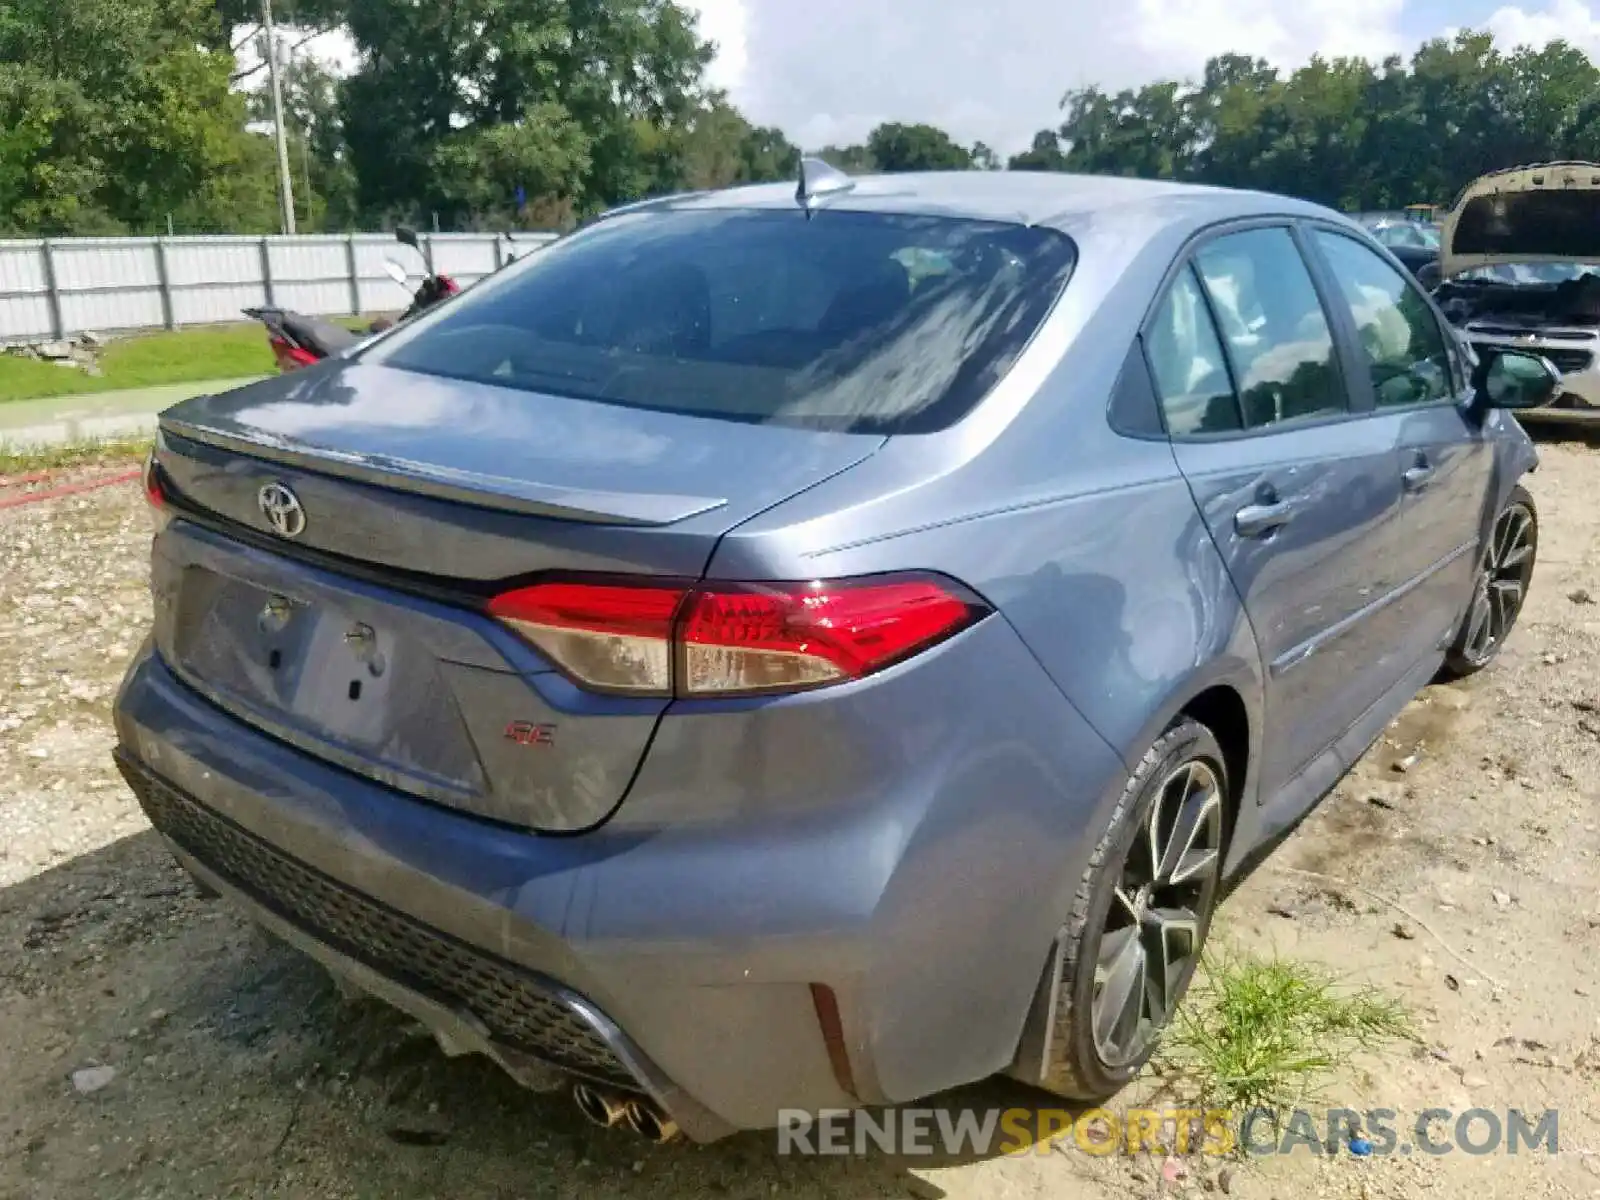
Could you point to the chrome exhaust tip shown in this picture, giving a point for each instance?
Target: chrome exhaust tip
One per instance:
(649, 1122)
(600, 1107)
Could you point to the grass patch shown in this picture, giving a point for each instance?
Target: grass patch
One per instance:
(1258, 1032)
(111, 452)
(181, 356)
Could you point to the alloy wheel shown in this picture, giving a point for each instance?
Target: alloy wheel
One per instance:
(1158, 914)
(1502, 583)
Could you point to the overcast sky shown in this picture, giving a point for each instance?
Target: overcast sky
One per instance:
(994, 70)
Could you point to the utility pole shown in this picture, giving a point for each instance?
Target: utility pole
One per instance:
(285, 188)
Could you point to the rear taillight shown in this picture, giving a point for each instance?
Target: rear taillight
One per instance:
(155, 491)
(763, 639)
(152, 482)
(734, 639)
(616, 638)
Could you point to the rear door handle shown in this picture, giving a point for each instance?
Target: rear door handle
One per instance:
(1259, 520)
(1418, 477)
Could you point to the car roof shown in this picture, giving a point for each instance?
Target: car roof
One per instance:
(1052, 199)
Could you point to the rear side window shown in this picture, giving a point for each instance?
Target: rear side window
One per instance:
(847, 321)
(1187, 361)
(1277, 335)
(1400, 337)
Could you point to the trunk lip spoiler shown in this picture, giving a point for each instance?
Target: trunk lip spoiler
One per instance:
(497, 492)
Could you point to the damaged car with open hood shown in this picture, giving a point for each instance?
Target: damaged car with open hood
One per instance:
(1520, 270)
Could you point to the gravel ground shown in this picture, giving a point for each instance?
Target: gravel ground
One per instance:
(235, 1070)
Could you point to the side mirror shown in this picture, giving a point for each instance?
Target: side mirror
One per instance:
(408, 236)
(1512, 380)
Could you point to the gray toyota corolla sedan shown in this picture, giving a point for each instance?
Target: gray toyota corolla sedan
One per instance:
(795, 648)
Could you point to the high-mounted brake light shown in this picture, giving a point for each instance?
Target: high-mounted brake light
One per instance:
(734, 639)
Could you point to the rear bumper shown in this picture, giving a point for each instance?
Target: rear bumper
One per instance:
(675, 959)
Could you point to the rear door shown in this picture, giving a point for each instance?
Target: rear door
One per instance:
(1298, 490)
(1420, 395)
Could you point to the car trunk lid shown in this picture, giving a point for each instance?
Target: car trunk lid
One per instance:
(360, 634)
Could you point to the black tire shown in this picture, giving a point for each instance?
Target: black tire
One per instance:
(1079, 1066)
(1500, 587)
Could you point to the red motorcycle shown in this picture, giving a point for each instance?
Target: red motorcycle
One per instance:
(301, 341)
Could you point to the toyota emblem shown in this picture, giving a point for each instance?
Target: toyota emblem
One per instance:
(282, 509)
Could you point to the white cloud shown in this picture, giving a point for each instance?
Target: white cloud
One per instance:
(723, 22)
(828, 70)
(1574, 20)
(1182, 34)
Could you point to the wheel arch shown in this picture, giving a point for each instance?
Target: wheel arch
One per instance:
(1222, 710)
(1218, 700)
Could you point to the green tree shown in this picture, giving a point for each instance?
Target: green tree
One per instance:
(49, 174)
(1149, 132)
(319, 162)
(983, 157)
(625, 75)
(852, 160)
(477, 173)
(1343, 131)
(722, 148)
(897, 147)
(1044, 155)
(1235, 118)
(118, 113)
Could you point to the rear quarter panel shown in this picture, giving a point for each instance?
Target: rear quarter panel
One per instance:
(1090, 546)
(1087, 541)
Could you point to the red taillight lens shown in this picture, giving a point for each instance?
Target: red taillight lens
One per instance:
(155, 493)
(723, 639)
(765, 639)
(615, 638)
(152, 482)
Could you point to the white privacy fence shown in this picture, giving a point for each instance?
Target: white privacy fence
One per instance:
(55, 287)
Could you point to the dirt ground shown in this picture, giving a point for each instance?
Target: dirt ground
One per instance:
(239, 1072)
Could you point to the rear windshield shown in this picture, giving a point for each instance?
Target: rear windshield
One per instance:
(851, 322)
